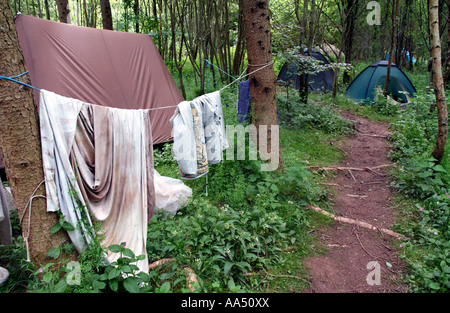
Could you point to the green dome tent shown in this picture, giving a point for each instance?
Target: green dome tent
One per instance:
(363, 87)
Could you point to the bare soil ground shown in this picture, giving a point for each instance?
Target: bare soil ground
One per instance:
(364, 196)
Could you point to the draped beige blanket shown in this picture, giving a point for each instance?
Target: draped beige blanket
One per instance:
(98, 165)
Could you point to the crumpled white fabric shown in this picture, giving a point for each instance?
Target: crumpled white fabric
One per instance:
(170, 194)
(98, 162)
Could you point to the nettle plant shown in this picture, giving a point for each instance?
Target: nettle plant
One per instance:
(90, 273)
(221, 244)
(431, 273)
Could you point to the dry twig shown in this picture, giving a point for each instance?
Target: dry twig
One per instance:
(354, 222)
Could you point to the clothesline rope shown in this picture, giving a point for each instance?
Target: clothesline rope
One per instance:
(161, 108)
(263, 66)
(18, 81)
(166, 107)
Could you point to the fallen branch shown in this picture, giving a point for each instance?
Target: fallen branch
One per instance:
(354, 222)
(352, 175)
(329, 184)
(337, 246)
(356, 196)
(377, 136)
(375, 182)
(343, 168)
(286, 276)
(191, 278)
(360, 243)
(158, 263)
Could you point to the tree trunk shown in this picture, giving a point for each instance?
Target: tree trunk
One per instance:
(438, 82)
(20, 144)
(303, 78)
(47, 10)
(240, 45)
(106, 14)
(310, 41)
(136, 10)
(39, 8)
(262, 83)
(393, 44)
(447, 61)
(63, 10)
(178, 66)
(349, 25)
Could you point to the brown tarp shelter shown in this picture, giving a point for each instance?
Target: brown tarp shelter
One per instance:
(103, 67)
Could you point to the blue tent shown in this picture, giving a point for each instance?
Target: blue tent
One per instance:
(321, 82)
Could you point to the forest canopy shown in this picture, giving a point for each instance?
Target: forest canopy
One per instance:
(191, 31)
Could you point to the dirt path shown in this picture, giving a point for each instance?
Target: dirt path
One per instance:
(364, 196)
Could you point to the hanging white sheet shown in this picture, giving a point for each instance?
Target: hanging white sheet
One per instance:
(98, 162)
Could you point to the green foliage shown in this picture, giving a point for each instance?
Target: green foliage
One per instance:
(431, 271)
(163, 155)
(426, 247)
(295, 114)
(123, 275)
(385, 107)
(413, 136)
(420, 177)
(242, 226)
(220, 244)
(13, 258)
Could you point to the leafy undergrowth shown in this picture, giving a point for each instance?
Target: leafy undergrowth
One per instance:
(252, 230)
(426, 246)
(248, 234)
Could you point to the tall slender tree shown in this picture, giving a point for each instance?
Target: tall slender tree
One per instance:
(47, 10)
(438, 82)
(106, 14)
(302, 21)
(447, 59)
(392, 47)
(136, 10)
(63, 10)
(350, 10)
(240, 44)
